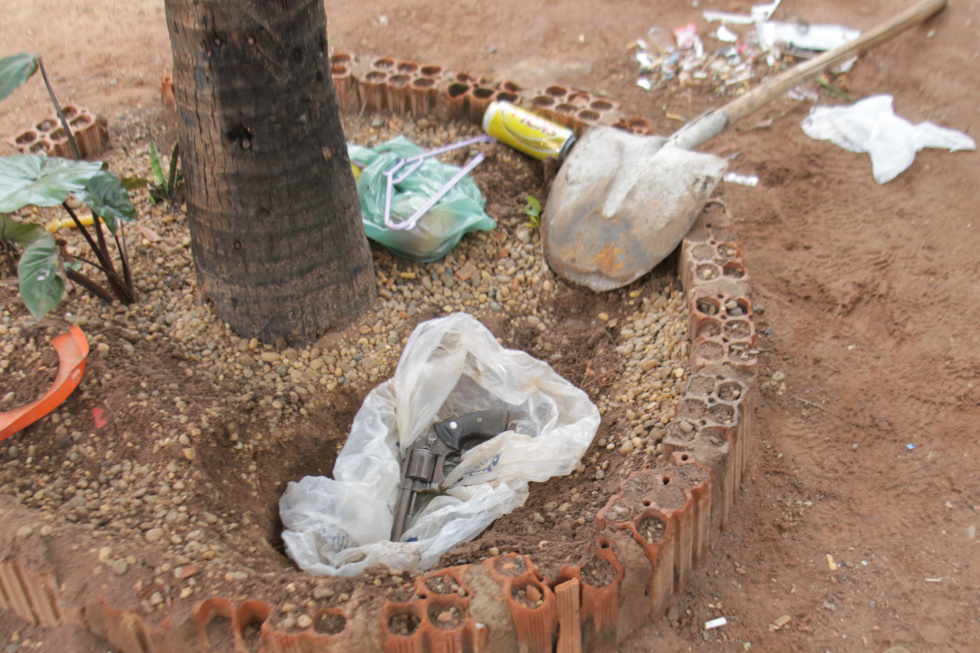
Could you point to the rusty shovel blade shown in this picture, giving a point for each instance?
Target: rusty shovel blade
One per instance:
(621, 203)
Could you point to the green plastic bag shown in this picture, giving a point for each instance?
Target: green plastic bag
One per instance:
(437, 232)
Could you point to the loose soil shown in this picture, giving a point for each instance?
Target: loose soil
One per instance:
(403, 623)
(865, 300)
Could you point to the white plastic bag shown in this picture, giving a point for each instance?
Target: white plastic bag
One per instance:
(871, 126)
(802, 36)
(450, 367)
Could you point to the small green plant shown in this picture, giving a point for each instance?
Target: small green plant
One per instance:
(169, 187)
(835, 91)
(37, 180)
(533, 212)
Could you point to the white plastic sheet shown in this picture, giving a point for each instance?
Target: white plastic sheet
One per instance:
(760, 14)
(451, 366)
(872, 126)
(805, 36)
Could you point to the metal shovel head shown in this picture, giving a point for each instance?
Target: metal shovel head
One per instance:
(621, 203)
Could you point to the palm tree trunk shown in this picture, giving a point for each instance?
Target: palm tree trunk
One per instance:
(274, 216)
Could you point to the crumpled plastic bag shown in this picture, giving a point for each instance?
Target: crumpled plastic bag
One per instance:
(872, 126)
(437, 232)
(451, 366)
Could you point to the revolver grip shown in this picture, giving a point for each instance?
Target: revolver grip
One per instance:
(482, 425)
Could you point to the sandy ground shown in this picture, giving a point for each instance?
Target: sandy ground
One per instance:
(867, 296)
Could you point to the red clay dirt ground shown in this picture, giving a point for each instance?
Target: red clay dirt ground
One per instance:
(868, 297)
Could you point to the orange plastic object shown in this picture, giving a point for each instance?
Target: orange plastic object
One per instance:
(72, 348)
(167, 96)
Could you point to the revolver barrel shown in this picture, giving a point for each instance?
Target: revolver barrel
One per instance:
(417, 474)
(406, 505)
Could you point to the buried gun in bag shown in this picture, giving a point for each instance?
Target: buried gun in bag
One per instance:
(428, 461)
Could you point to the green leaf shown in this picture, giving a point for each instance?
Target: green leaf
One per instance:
(20, 232)
(172, 182)
(105, 195)
(836, 92)
(155, 165)
(27, 179)
(533, 207)
(15, 70)
(132, 183)
(42, 283)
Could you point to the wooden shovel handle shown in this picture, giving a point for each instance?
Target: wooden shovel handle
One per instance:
(717, 121)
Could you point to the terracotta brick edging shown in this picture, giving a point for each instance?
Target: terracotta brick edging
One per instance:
(649, 536)
(418, 89)
(48, 136)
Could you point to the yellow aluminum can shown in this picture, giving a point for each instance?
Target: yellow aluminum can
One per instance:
(527, 132)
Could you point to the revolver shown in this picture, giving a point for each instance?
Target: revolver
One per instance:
(431, 458)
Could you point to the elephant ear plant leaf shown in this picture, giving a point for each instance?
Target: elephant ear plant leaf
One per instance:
(27, 179)
(21, 233)
(42, 278)
(15, 70)
(105, 195)
(30, 179)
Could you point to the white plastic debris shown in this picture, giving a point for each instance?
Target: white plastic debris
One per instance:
(644, 83)
(872, 126)
(688, 39)
(711, 16)
(745, 180)
(803, 94)
(844, 66)
(817, 37)
(726, 35)
(760, 14)
(715, 623)
(450, 366)
(738, 79)
(645, 60)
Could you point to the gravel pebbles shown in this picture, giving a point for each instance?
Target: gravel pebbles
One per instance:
(135, 489)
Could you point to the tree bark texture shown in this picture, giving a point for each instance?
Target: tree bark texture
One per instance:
(273, 210)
